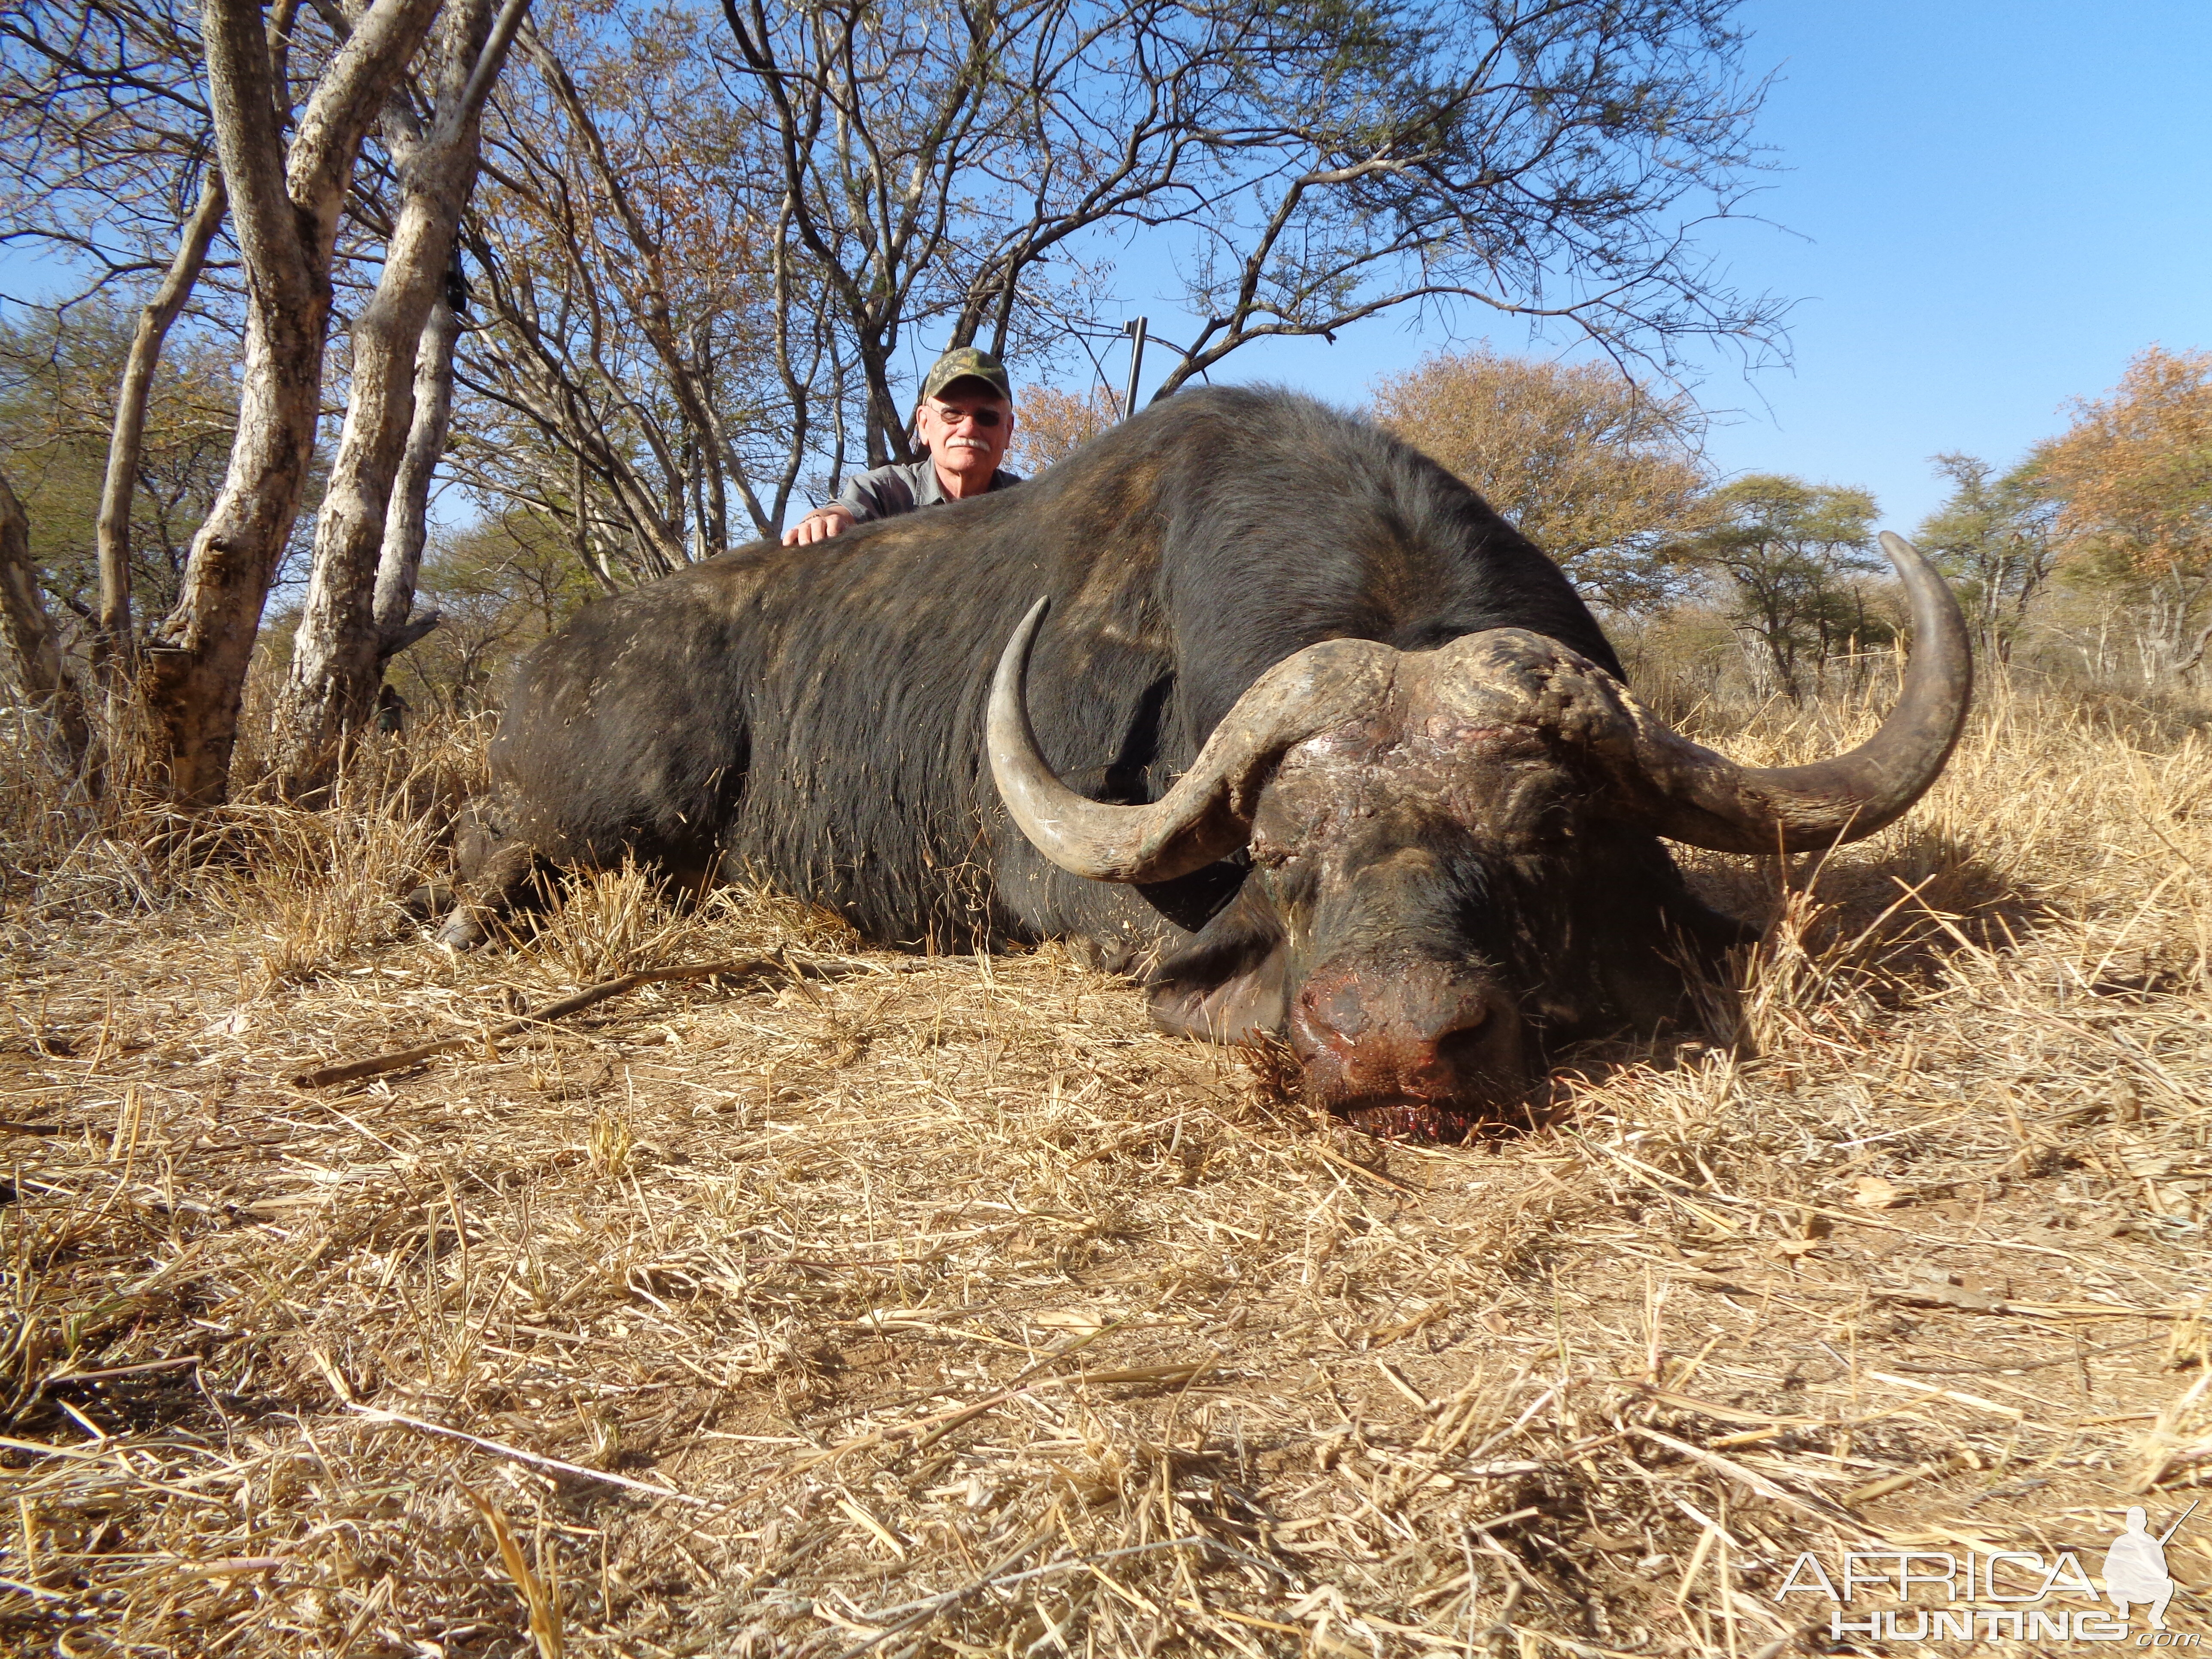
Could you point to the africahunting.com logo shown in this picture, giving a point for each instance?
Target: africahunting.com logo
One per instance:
(1941, 1595)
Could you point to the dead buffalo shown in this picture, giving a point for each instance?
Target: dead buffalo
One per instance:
(1277, 714)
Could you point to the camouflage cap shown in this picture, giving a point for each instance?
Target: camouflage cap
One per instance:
(967, 363)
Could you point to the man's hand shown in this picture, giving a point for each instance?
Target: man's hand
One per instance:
(819, 525)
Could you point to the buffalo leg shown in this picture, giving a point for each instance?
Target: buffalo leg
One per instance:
(496, 878)
(430, 901)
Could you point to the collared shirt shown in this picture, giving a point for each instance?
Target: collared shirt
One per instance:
(887, 491)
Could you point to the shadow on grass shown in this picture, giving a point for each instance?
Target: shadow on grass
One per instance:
(1880, 927)
(1894, 920)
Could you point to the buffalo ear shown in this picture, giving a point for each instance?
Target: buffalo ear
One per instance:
(1677, 968)
(1240, 1008)
(1712, 931)
(1230, 984)
(1191, 902)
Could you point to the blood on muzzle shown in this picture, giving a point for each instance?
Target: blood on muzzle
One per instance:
(1513, 745)
(1408, 1045)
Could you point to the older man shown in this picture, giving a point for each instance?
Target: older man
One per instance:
(964, 420)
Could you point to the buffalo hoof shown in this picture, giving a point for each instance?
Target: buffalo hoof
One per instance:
(463, 930)
(428, 900)
(1100, 957)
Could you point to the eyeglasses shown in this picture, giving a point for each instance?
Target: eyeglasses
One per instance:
(986, 418)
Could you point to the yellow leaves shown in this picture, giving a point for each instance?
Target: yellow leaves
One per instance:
(1050, 425)
(2135, 470)
(1593, 467)
(1873, 1192)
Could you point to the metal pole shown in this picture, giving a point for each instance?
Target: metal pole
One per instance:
(1134, 328)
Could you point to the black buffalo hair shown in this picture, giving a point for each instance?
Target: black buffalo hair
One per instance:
(815, 714)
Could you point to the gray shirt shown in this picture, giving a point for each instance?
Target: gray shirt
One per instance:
(887, 491)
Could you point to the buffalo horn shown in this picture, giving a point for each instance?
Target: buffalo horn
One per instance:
(1208, 813)
(1707, 800)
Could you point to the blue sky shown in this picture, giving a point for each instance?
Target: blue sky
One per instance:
(1988, 208)
(1985, 209)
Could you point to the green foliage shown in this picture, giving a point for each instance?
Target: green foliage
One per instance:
(499, 587)
(58, 376)
(1994, 539)
(1787, 550)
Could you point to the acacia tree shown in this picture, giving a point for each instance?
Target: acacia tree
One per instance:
(1550, 161)
(501, 585)
(286, 201)
(1787, 549)
(704, 259)
(406, 519)
(898, 137)
(30, 634)
(1596, 469)
(655, 367)
(105, 145)
(1994, 536)
(1054, 424)
(340, 647)
(2133, 475)
(106, 132)
(133, 395)
(59, 372)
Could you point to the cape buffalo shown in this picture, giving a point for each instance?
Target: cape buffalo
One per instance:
(1287, 720)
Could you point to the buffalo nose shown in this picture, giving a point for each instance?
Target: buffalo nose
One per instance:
(1374, 1032)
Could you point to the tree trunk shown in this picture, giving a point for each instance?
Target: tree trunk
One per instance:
(887, 427)
(285, 206)
(1780, 649)
(128, 436)
(196, 665)
(2194, 656)
(337, 656)
(580, 529)
(46, 679)
(406, 522)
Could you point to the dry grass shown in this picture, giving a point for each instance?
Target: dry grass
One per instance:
(940, 1306)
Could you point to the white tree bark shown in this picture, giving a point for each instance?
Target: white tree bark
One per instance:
(30, 633)
(337, 655)
(126, 439)
(406, 522)
(285, 206)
